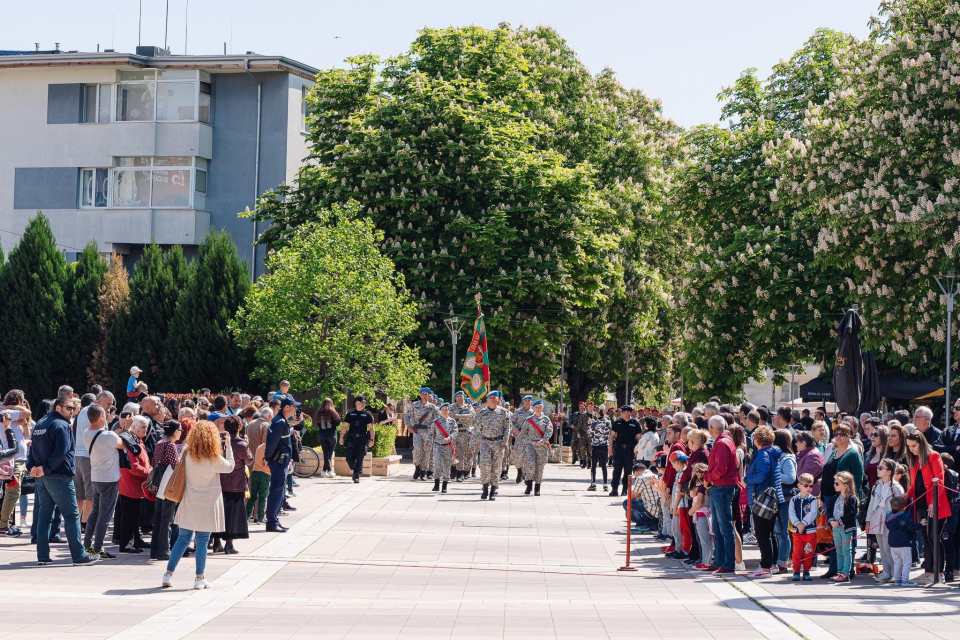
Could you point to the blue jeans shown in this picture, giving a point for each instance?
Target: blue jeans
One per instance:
(721, 513)
(278, 481)
(782, 529)
(640, 516)
(57, 491)
(180, 546)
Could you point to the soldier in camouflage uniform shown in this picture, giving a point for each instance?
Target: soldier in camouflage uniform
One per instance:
(516, 451)
(443, 446)
(574, 436)
(493, 427)
(419, 418)
(584, 449)
(463, 413)
(535, 446)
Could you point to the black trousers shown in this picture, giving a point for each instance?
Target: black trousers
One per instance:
(163, 528)
(356, 451)
(129, 522)
(928, 543)
(622, 464)
(328, 441)
(599, 457)
(763, 530)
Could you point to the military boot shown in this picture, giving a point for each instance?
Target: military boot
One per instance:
(485, 494)
(416, 473)
(529, 487)
(536, 490)
(436, 485)
(519, 476)
(444, 489)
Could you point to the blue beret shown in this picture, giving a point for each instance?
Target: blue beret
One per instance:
(536, 402)
(445, 404)
(424, 389)
(459, 393)
(526, 398)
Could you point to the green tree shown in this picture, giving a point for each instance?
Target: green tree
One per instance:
(138, 335)
(331, 313)
(752, 295)
(881, 162)
(473, 154)
(34, 282)
(82, 327)
(111, 304)
(217, 284)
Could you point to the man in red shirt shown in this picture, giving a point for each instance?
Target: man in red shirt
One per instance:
(722, 477)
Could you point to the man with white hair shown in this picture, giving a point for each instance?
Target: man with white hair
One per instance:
(722, 478)
(923, 420)
(711, 409)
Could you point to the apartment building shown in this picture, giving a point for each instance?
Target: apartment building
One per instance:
(126, 148)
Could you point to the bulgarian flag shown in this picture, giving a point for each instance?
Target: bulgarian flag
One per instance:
(475, 376)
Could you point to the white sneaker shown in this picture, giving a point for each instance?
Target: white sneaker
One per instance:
(749, 538)
(740, 566)
(199, 584)
(167, 580)
(760, 573)
(23, 523)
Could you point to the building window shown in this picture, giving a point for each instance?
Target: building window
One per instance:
(304, 90)
(204, 101)
(94, 188)
(96, 102)
(168, 182)
(163, 96)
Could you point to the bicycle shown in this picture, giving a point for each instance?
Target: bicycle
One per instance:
(309, 463)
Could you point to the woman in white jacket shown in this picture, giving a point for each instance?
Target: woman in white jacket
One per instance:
(207, 455)
(885, 489)
(646, 449)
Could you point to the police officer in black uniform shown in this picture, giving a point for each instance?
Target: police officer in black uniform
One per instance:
(354, 435)
(624, 435)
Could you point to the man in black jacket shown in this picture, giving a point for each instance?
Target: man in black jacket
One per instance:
(51, 462)
(624, 435)
(950, 438)
(278, 451)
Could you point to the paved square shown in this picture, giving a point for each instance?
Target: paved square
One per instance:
(388, 558)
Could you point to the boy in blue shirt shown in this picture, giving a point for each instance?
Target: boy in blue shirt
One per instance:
(902, 532)
(132, 391)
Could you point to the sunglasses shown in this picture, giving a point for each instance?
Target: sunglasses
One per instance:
(805, 485)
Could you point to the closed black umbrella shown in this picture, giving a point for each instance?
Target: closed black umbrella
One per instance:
(870, 388)
(848, 372)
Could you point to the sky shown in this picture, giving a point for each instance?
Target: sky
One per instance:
(681, 51)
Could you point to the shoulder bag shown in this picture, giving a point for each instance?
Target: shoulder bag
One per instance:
(178, 482)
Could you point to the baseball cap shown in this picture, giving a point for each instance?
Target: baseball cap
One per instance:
(626, 407)
(134, 370)
(677, 455)
(286, 401)
(357, 399)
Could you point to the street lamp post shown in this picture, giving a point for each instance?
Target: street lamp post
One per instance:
(454, 324)
(626, 377)
(948, 285)
(563, 374)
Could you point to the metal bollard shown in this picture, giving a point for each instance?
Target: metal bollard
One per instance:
(629, 510)
(935, 538)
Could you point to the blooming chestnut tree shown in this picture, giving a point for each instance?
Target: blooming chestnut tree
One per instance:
(881, 159)
(752, 297)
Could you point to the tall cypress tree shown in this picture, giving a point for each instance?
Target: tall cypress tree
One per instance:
(138, 335)
(218, 284)
(82, 326)
(33, 341)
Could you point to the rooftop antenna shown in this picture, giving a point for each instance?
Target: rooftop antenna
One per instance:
(37, 46)
(166, 25)
(186, 27)
(113, 28)
(139, 27)
(231, 33)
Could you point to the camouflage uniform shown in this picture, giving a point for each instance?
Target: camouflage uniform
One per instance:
(419, 418)
(466, 440)
(493, 429)
(535, 448)
(584, 449)
(442, 453)
(516, 452)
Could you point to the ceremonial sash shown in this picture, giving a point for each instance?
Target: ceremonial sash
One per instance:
(444, 433)
(535, 426)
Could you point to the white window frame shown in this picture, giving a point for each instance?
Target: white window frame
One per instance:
(304, 90)
(113, 99)
(155, 82)
(192, 168)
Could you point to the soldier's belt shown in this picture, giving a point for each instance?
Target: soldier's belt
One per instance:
(493, 438)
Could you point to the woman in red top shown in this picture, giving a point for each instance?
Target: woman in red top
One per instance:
(131, 490)
(925, 465)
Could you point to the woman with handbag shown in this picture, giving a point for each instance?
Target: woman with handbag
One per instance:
(166, 457)
(842, 457)
(234, 487)
(195, 484)
(131, 490)
(766, 495)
